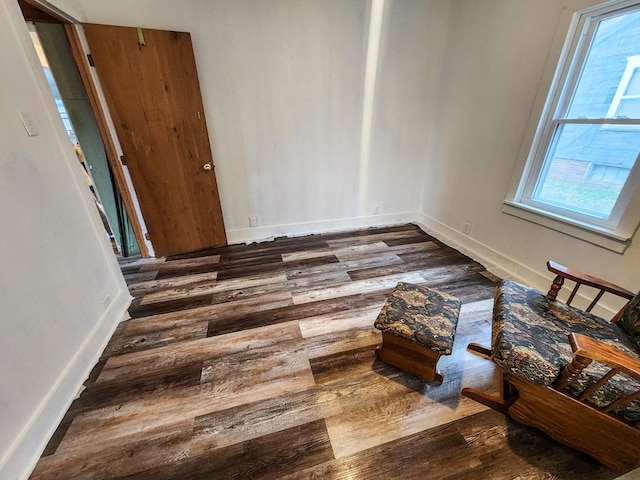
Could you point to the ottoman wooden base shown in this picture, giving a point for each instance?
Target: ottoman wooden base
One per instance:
(409, 357)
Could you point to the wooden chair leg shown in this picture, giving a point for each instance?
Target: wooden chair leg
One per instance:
(501, 403)
(496, 403)
(479, 349)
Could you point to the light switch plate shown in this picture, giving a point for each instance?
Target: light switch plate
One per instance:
(29, 123)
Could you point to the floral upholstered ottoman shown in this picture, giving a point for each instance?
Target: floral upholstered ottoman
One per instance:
(418, 325)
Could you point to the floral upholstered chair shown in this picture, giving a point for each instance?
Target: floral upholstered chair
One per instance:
(567, 371)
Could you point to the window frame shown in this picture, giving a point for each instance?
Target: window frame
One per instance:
(616, 231)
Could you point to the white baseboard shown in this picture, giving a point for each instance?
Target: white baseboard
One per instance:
(257, 234)
(21, 459)
(494, 261)
(499, 264)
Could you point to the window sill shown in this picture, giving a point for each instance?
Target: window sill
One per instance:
(597, 236)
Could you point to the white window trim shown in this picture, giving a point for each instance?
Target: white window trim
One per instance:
(614, 234)
(633, 63)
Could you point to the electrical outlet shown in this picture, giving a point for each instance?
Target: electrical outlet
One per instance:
(466, 229)
(106, 301)
(29, 123)
(253, 221)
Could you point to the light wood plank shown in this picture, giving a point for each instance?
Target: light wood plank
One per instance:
(163, 283)
(352, 288)
(198, 350)
(376, 247)
(366, 239)
(202, 288)
(336, 322)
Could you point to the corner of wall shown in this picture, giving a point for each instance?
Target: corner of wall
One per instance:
(496, 262)
(22, 457)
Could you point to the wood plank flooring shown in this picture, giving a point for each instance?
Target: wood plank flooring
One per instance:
(257, 362)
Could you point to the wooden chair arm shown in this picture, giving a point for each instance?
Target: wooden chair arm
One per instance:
(580, 278)
(588, 347)
(589, 280)
(586, 350)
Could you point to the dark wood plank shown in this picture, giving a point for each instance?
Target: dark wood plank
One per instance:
(443, 451)
(277, 248)
(129, 269)
(266, 457)
(239, 271)
(332, 367)
(104, 394)
(245, 265)
(170, 306)
(147, 450)
(233, 323)
(470, 287)
(419, 237)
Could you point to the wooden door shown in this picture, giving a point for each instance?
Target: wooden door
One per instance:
(151, 86)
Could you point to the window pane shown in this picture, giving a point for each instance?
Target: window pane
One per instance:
(586, 168)
(634, 84)
(628, 108)
(615, 40)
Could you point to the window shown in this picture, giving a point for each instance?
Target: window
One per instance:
(583, 168)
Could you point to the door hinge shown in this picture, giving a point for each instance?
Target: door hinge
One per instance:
(141, 41)
(146, 236)
(90, 59)
(122, 160)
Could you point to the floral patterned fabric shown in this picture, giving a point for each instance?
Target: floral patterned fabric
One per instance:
(421, 315)
(530, 339)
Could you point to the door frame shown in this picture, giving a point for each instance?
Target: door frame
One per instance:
(77, 43)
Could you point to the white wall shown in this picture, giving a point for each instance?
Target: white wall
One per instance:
(411, 59)
(283, 83)
(56, 267)
(493, 77)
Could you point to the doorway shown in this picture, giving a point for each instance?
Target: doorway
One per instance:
(75, 110)
(152, 90)
(155, 125)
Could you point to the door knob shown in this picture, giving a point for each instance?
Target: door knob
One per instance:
(207, 166)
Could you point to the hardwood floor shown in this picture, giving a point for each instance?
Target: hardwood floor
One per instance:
(257, 362)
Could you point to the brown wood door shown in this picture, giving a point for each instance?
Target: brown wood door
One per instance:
(151, 86)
